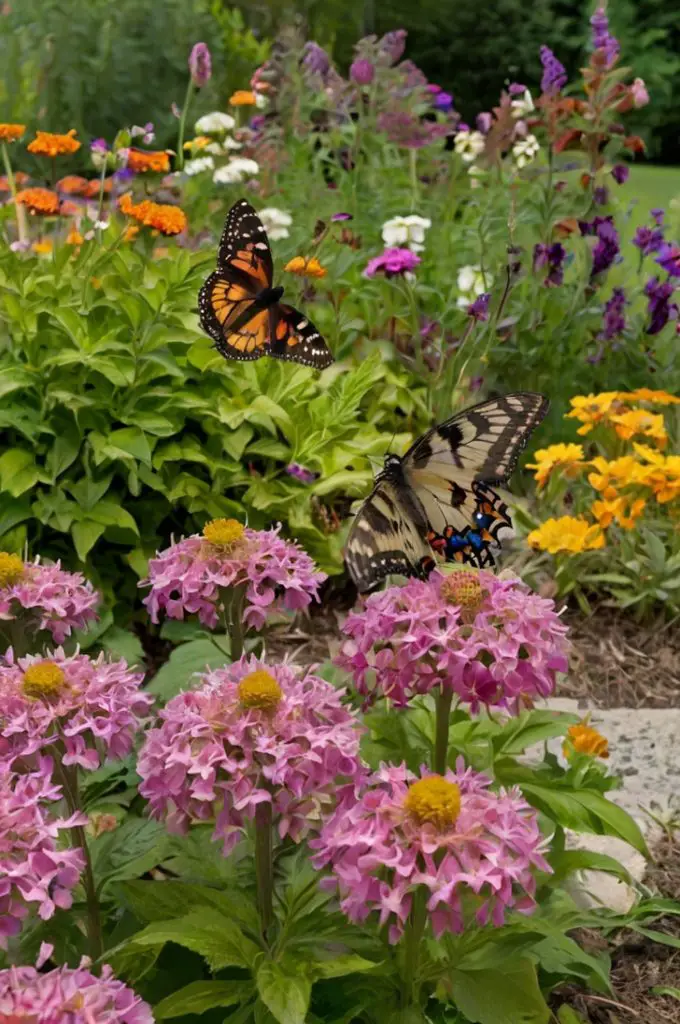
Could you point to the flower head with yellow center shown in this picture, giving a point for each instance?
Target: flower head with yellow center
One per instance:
(640, 422)
(302, 267)
(43, 680)
(649, 395)
(11, 569)
(259, 690)
(660, 473)
(433, 801)
(592, 409)
(224, 533)
(611, 475)
(51, 144)
(463, 588)
(566, 457)
(11, 132)
(567, 534)
(583, 739)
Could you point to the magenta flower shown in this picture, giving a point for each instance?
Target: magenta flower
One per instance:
(659, 306)
(341, 216)
(187, 577)
(483, 122)
(392, 263)
(648, 240)
(252, 733)
(94, 708)
(45, 597)
(479, 309)
(474, 850)
(614, 320)
(639, 94)
(490, 640)
(33, 867)
(391, 46)
(551, 257)
(200, 65)
(669, 259)
(362, 71)
(301, 473)
(69, 996)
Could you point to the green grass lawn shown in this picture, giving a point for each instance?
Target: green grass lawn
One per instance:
(650, 187)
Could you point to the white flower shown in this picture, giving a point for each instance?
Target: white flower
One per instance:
(469, 145)
(235, 171)
(230, 143)
(261, 100)
(523, 106)
(476, 175)
(276, 222)
(471, 283)
(197, 166)
(406, 231)
(101, 225)
(214, 124)
(525, 150)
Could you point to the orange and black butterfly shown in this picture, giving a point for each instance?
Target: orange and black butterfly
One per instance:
(240, 309)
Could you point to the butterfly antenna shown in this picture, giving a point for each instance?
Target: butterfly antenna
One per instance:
(389, 447)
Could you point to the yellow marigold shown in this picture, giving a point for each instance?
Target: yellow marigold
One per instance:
(74, 237)
(142, 160)
(11, 132)
(607, 512)
(592, 409)
(585, 740)
(433, 801)
(610, 476)
(305, 267)
(569, 457)
(648, 395)
(43, 248)
(73, 185)
(640, 422)
(568, 533)
(49, 144)
(200, 142)
(39, 200)
(661, 473)
(242, 98)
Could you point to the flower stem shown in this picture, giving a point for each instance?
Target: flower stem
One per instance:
(441, 738)
(100, 204)
(413, 169)
(413, 934)
(264, 867)
(20, 211)
(236, 604)
(179, 161)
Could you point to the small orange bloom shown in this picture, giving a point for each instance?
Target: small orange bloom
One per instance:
(131, 233)
(142, 160)
(169, 220)
(11, 132)
(39, 200)
(73, 185)
(74, 237)
(42, 248)
(94, 185)
(305, 267)
(49, 144)
(583, 739)
(242, 98)
(68, 208)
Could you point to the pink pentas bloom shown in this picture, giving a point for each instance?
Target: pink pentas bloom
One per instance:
(34, 866)
(474, 850)
(392, 262)
(252, 733)
(491, 641)
(91, 708)
(200, 65)
(69, 995)
(190, 577)
(45, 597)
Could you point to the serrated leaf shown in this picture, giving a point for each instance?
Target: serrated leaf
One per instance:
(214, 937)
(179, 671)
(132, 849)
(500, 996)
(286, 996)
(337, 967)
(200, 996)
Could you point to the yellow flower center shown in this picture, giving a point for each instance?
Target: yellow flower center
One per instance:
(463, 588)
(44, 679)
(433, 801)
(259, 690)
(11, 569)
(223, 532)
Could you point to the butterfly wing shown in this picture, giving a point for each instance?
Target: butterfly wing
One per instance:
(295, 338)
(388, 537)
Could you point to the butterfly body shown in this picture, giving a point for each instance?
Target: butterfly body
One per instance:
(438, 499)
(240, 308)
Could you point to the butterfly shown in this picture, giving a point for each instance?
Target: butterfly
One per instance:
(438, 499)
(241, 310)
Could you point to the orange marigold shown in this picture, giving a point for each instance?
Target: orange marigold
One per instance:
(69, 208)
(49, 144)
(141, 160)
(242, 98)
(305, 267)
(11, 132)
(74, 237)
(39, 200)
(94, 185)
(131, 233)
(169, 220)
(583, 739)
(43, 248)
(73, 185)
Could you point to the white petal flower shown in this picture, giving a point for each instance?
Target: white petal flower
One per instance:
(215, 123)
(469, 145)
(406, 231)
(276, 222)
(525, 150)
(199, 165)
(471, 283)
(230, 143)
(522, 107)
(261, 100)
(238, 169)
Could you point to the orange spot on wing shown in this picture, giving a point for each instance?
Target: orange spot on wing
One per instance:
(251, 264)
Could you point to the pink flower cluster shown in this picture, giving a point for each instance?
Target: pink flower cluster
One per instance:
(59, 601)
(94, 705)
(32, 867)
(392, 263)
(187, 577)
(413, 639)
(216, 755)
(379, 854)
(69, 996)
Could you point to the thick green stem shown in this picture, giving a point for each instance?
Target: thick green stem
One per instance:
(441, 737)
(236, 631)
(179, 163)
(20, 211)
(264, 865)
(413, 935)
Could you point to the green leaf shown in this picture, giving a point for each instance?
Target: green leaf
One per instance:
(63, 452)
(662, 937)
(508, 995)
(132, 849)
(13, 512)
(18, 471)
(529, 728)
(348, 963)
(200, 996)
(567, 862)
(285, 995)
(666, 990)
(122, 643)
(166, 900)
(88, 492)
(129, 441)
(15, 378)
(183, 663)
(108, 513)
(566, 1015)
(85, 535)
(208, 933)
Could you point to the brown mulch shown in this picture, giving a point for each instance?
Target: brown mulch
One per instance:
(639, 964)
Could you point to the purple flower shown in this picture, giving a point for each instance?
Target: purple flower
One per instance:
(600, 195)
(554, 75)
(392, 262)
(403, 129)
(341, 216)
(517, 89)
(200, 65)
(479, 309)
(484, 122)
(146, 132)
(362, 71)
(658, 215)
(123, 175)
(391, 47)
(669, 259)
(552, 257)
(648, 240)
(443, 101)
(620, 173)
(100, 146)
(659, 307)
(305, 476)
(602, 40)
(315, 59)
(607, 247)
(614, 322)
